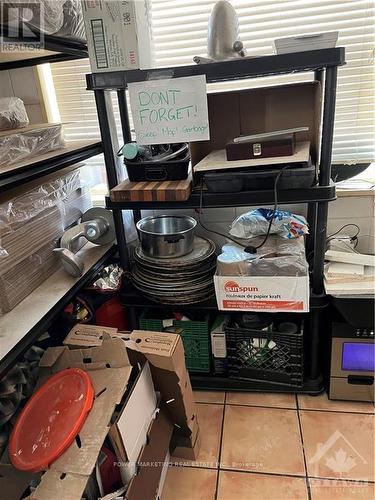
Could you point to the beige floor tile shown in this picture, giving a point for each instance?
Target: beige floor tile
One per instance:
(262, 440)
(210, 418)
(322, 402)
(185, 483)
(331, 489)
(209, 397)
(261, 399)
(249, 486)
(338, 445)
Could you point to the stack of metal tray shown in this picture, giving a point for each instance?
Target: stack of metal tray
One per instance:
(181, 280)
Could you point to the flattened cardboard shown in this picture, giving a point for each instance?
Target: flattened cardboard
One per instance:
(145, 485)
(139, 409)
(259, 110)
(109, 370)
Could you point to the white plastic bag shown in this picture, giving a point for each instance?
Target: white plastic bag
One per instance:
(12, 113)
(256, 223)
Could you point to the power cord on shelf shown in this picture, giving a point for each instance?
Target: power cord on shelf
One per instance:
(247, 248)
(353, 239)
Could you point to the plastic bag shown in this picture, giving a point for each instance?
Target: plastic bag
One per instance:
(278, 257)
(12, 113)
(29, 142)
(256, 222)
(61, 18)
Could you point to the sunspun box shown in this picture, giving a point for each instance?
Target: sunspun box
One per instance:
(262, 293)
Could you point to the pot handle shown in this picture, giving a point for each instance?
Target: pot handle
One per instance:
(174, 238)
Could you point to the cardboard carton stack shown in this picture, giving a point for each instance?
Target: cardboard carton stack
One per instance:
(32, 219)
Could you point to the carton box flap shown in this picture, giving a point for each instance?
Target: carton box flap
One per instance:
(83, 335)
(145, 484)
(60, 486)
(111, 354)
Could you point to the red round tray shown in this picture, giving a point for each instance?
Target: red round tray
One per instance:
(51, 420)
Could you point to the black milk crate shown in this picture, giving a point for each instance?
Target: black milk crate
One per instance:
(251, 357)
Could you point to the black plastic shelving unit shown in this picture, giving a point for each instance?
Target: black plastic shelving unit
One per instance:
(323, 64)
(61, 50)
(46, 321)
(63, 158)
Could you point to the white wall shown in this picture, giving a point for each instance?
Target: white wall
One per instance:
(358, 210)
(23, 83)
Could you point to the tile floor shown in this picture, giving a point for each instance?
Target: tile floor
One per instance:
(276, 447)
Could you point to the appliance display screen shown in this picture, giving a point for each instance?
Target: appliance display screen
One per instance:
(358, 357)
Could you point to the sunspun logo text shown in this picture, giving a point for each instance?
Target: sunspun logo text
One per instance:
(232, 286)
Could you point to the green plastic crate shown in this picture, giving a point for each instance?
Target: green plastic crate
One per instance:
(195, 336)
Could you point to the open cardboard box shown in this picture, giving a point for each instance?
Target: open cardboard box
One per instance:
(258, 110)
(142, 435)
(165, 353)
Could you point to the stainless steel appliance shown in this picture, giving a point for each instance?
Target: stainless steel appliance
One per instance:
(166, 236)
(353, 349)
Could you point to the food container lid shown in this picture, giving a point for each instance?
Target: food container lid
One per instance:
(51, 420)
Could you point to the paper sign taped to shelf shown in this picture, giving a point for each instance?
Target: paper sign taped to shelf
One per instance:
(170, 110)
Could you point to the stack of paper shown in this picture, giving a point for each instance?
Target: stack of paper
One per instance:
(349, 273)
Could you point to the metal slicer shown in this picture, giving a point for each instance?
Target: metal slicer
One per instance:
(96, 226)
(223, 35)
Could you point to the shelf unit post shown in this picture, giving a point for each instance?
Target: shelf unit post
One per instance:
(112, 164)
(324, 176)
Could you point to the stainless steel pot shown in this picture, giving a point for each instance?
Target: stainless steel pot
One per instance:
(166, 236)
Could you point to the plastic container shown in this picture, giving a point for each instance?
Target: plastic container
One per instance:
(173, 170)
(251, 180)
(51, 420)
(195, 336)
(264, 355)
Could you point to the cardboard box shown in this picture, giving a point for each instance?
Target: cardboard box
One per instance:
(165, 353)
(262, 293)
(259, 110)
(118, 34)
(82, 335)
(109, 369)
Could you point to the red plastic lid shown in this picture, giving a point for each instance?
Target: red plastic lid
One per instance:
(51, 420)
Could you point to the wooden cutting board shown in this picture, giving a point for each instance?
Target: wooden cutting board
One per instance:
(152, 191)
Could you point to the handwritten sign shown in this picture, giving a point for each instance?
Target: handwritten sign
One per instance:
(171, 110)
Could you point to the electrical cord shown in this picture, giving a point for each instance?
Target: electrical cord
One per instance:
(331, 237)
(247, 248)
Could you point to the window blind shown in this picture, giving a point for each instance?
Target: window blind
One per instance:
(180, 32)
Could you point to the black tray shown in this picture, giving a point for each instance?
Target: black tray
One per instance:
(234, 181)
(174, 170)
